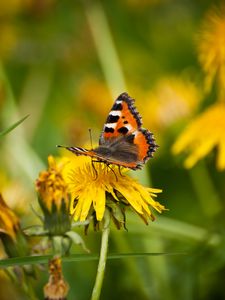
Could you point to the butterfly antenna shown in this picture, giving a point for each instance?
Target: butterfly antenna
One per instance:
(90, 135)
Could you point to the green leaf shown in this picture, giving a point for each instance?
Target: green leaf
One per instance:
(32, 260)
(4, 132)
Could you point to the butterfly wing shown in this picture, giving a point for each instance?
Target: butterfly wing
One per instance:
(123, 137)
(122, 119)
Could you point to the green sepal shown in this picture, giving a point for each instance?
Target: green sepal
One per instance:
(36, 230)
(77, 239)
(57, 221)
(117, 212)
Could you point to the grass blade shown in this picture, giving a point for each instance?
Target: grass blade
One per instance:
(40, 259)
(4, 132)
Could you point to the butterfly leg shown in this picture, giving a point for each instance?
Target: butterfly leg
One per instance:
(108, 166)
(94, 169)
(93, 166)
(119, 168)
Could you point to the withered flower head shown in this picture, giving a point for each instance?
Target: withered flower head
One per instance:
(56, 288)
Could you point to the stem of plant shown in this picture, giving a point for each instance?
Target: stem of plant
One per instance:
(102, 259)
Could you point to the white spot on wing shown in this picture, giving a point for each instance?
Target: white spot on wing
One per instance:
(115, 113)
(129, 127)
(110, 125)
(135, 133)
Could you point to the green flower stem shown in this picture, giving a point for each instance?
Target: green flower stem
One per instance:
(57, 245)
(103, 256)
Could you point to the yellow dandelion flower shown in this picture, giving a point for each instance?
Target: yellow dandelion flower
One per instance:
(9, 223)
(211, 48)
(51, 185)
(57, 287)
(202, 135)
(95, 187)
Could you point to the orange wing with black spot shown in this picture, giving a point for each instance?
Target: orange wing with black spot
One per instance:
(124, 121)
(123, 118)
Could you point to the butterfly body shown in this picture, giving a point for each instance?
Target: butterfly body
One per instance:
(123, 141)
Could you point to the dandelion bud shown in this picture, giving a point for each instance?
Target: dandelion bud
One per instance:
(54, 198)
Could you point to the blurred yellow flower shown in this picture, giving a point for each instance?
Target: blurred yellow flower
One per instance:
(93, 186)
(171, 100)
(8, 38)
(9, 223)
(51, 185)
(11, 234)
(17, 195)
(92, 105)
(95, 98)
(56, 288)
(202, 135)
(10, 7)
(13, 7)
(211, 48)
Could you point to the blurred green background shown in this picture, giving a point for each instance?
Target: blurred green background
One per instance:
(63, 63)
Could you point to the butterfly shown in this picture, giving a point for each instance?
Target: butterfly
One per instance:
(123, 141)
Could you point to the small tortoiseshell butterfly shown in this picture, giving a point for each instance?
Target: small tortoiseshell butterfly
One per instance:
(123, 142)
